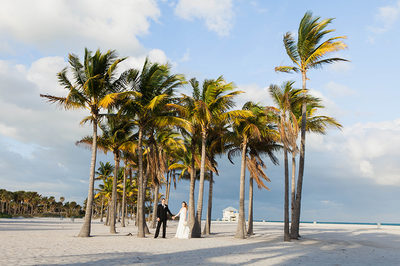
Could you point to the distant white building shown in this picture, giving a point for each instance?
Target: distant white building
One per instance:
(230, 214)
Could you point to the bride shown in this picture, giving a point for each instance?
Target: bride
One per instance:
(183, 229)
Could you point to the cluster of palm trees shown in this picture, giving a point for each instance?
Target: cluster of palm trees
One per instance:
(126, 197)
(29, 203)
(160, 136)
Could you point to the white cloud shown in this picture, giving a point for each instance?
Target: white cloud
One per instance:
(37, 138)
(43, 73)
(55, 24)
(7, 130)
(366, 168)
(217, 14)
(331, 108)
(341, 67)
(319, 143)
(155, 55)
(386, 17)
(364, 150)
(255, 93)
(186, 56)
(31, 119)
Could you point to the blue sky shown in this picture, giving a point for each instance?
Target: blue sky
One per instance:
(351, 175)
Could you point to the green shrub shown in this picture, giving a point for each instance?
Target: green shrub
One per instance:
(5, 215)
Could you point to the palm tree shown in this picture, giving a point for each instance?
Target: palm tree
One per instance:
(103, 173)
(128, 157)
(316, 124)
(215, 100)
(186, 110)
(95, 87)
(155, 85)
(217, 144)
(267, 146)
(288, 113)
(166, 143)
(117, 135)
(308, 52)
(105, 192)
(287, 98)
(246, 132)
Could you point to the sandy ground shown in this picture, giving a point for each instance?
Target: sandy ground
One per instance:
(49, 241)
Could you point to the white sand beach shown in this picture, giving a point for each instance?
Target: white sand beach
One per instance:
(50, 241)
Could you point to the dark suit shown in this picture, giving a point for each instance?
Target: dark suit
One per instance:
(162, 214)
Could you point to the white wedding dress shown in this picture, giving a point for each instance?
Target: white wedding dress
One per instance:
(183, 229)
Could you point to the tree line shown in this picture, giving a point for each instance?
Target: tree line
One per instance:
(31, 204)
(158, 135)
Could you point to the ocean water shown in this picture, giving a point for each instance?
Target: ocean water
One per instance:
(311, 222)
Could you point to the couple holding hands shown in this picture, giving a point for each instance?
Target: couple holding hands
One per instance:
(182, 230)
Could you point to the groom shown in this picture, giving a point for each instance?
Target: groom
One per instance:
(162, 212)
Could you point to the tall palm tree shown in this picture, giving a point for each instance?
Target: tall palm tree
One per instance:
(175, 151)
(267, 146)
(247, 131)
(213, 108)
(316, 124)
(286, 99)
(309, 52)
(288, 113)
(156, 86)
(217, 144)
(167, 143)
(95, 87)
(186, 110)
(117, 135)
(128, 158)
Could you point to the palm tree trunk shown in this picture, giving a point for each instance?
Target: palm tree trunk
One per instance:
(146, 228)
(85, 230)
(293, 187)
(108, 214)
(126, 212)
(241, 226)
(286, 235)
(136, 215)
(101, 210)
(196, 233)
(140, 207)
(192, 185)
(250, 219)
(168, 187)
(155, 204)
(124, 193)
(207, 227)
(118, 210)
(113, 212)
(296, 222)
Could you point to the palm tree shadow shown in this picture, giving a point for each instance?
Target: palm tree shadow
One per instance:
(320, 248)
(191, 257)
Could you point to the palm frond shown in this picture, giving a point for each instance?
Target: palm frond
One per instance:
(287, 69)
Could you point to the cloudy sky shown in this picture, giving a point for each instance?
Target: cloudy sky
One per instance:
(351, 175)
